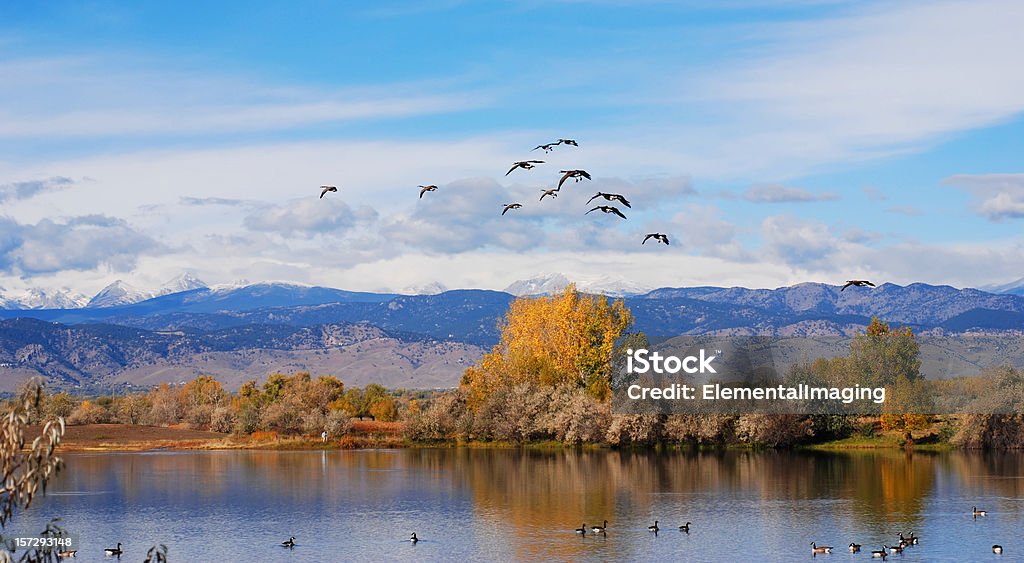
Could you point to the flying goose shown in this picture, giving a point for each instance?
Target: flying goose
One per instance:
(607, 209)
(977, 512)
(854, 547)
(577, 174)
(414, 539)
(883, 553)
(685, 528)
(567, 142)
(510, 206)
(553, 192)
(599, 529)
(547, 146)
(815, 548)
(114, 550)
(325, 189)
(660, 237)
(524, 164)
(997, 549)
(425, 189)
(611, 197)
(653, 528)
(858, 283)
(582, 530)
(289, 543)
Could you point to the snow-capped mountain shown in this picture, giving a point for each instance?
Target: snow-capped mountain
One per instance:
(122, 293)
(64, 298)
(1014, 287)
(432, 288)
(547, 284)
(39, 298)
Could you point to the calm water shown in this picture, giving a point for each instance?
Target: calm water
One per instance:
(501, 505)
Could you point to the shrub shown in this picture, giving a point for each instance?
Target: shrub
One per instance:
(89, 413)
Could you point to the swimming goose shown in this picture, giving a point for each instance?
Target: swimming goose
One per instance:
(913, 539)
(908, 540)
(611, 197)
(896, 549)
(508, 206)
(653, 528)
(854, 547)
(582, 530)
(577, 174)
(815, 548)
(425, 189)
(607, 209)
(289, 543)
(997, 549)
(114, 550)
(553, 192)
(685, 528)
(66, 554)
(524, 164)
(660, 237)
(883, 553)
(858, 283)
(414, 539)
(977, 512)
(325, 189)
(599, 529)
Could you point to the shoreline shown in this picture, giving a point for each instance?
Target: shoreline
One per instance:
(133, 438)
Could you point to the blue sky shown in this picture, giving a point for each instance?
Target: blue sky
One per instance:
(774, 141)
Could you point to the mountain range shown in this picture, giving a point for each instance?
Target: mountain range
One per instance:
(245, 331)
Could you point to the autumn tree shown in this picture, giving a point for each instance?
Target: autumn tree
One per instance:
(560, 340)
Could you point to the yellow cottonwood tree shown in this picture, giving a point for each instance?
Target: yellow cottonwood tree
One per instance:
(564, 339)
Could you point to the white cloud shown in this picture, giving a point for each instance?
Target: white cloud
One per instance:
(996, 196)
(777, 193)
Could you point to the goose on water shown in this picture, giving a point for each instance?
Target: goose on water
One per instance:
(289, 543)
(815, 548)
(582, 530)
(114, 550)
(653, 528)
(977, 512)
(854, 547)
(599, 529)
(997, 549)
(685, 528)
(414, 539)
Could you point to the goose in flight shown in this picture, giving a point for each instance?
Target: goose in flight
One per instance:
(510, 206)
(611, 197)
(553, 192)
(425, 189)
(524, 164)
(607, 209)
(660, 237)
(325, 189)
(567, 142)
(577, 174)
(858, 283)
(547, 146)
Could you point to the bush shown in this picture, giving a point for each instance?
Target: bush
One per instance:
(337, 423)
(222, 420)
(633, 429)
(89, 413)
(575, 417)
(773, 430)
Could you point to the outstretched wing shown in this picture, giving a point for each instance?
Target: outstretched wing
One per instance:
(564, 178)
(624, 201)
(647, 237)
(616, 211)
(597, 195)
(514, 166)
(869, 283)
(584, 173)
(594, 209)
(848, 284)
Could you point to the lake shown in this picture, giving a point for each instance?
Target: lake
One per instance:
(483, 504)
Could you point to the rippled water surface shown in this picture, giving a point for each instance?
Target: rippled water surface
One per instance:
(510, 504)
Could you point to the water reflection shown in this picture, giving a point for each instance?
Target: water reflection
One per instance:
(500, 504)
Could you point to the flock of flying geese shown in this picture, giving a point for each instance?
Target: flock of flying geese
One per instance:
(577, 175)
